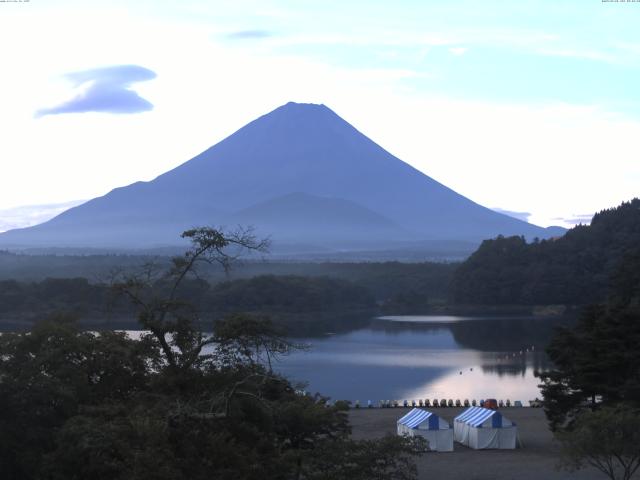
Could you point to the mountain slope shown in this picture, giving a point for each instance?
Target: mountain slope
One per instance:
(304, 217)
(296, 148)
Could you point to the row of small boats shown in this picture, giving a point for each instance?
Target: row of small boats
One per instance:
(443, 402)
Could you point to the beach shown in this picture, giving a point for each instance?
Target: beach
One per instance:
(536, 460)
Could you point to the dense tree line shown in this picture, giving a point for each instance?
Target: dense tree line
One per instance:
(306, 305)
(52, 294)
(574, 269)
(289, 293)
(386, 281)
(301, 305)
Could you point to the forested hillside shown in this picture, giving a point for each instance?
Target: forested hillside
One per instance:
(302, 305)
(574, 269)
(390, 283)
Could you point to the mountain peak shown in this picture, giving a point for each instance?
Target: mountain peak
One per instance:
(303, 111)
(298, 105)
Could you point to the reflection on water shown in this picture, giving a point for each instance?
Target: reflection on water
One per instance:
(425, 318)
(460, 357)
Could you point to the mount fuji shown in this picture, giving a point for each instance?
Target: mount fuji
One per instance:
(300, 174)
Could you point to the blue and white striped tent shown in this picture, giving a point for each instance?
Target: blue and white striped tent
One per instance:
(481, 428)
(427, 424)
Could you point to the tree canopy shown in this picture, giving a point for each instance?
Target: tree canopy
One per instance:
(574, 269)
(607, 439)
(597, 361)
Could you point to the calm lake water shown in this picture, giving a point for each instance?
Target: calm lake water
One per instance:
(431, 357)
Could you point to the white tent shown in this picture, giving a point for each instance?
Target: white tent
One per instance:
(428, 425)
(481, 428)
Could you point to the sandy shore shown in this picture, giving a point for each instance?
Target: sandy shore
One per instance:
(537, 460)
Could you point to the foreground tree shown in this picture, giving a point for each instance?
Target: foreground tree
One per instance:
(596, 362)
(50, 375)
(158, 297)
(592, 396)
(607, 439)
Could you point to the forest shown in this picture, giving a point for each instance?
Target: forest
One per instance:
(308, 298)
(304, 305)
(383, 278)
(574, 269)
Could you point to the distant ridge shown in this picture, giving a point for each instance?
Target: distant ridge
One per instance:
(299, 173)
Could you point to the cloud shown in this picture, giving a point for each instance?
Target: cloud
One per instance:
(583, 218)
(105, 90)
(26, 216)
(524, 216)
(249, 34)
(458, 51)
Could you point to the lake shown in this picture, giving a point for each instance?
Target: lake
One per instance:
(418, 357)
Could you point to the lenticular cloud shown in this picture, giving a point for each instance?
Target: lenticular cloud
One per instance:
(105, 90)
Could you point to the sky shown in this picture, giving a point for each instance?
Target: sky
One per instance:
(531, 107)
